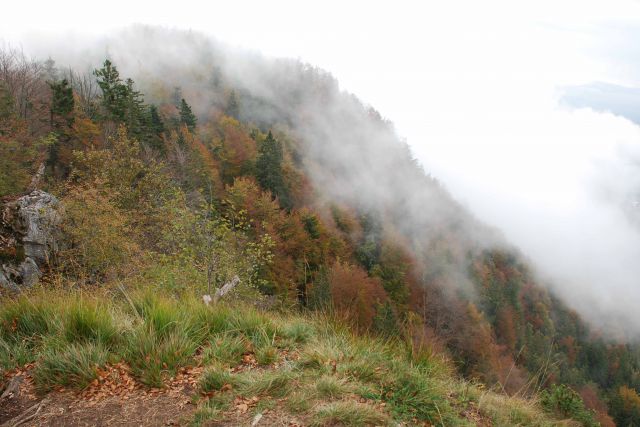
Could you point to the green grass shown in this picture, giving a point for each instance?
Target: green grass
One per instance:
(154, 355)
(214, 378)
(24, 318)
(266, 355)
(14, 353)
(349, 414)
(226, 348)
(74, 366)
(271, 383)
(329, 387)
(323, 369)
(88, 321)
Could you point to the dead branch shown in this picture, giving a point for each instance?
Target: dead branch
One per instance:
(226, 288)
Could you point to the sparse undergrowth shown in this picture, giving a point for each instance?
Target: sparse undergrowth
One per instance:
(317, 371)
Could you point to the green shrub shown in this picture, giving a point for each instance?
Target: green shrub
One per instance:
(562, 401)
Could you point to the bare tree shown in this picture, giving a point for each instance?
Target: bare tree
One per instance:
(24, 78)
(86, 89)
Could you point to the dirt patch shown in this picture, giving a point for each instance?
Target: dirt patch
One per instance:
(112, 400)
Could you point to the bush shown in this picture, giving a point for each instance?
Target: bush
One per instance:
(562, 401)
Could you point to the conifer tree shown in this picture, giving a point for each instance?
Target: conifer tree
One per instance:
(134, 111)
(269, 170)
(233, 107)
(114, 92)
(186, 115)
(155, 127)
(62, 104)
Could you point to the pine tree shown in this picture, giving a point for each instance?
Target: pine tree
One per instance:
(233, 107)
(134, 111)
(62, 104)
(155, 127)
(186, 116)
(269, 170)
(114, 92)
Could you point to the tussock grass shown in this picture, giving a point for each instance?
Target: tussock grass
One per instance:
(266, 355)
(24, 318)
(214, 378)
(85, 320)
(226, 348)
(14, 353)
(326, 369)
(74, 366)
(155, 355)
(349, 414)
(330, 387)
(509, 411)
(299, 402)
(297, 332)
(272, 383)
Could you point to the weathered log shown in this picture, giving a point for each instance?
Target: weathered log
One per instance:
(225, 289)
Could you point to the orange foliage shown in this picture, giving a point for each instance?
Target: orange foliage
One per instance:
(354, 294)
(505, 326)
(238, 148)
(589, 395)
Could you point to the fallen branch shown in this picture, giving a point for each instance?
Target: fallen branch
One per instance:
(25, 417)
(225, 289)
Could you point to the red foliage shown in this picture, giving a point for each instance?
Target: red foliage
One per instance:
(589, 395)
(354, 294)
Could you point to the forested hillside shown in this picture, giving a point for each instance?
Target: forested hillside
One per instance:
(180, 164)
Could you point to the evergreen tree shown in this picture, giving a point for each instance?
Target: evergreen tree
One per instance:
(114, 92)
(269, 170)
(233, 107)
(155, 127)
(134, 113)
(62, 104)
(186, 116)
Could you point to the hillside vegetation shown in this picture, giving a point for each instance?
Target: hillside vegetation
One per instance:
(213, 164)
(240, 361)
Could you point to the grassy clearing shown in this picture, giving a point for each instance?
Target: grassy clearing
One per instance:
(310, 367)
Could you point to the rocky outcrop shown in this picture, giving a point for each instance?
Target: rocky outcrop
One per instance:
(28, 227)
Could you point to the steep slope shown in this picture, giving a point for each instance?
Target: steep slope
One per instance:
(217, 162)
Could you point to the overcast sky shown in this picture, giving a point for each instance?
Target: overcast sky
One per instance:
(474, 87)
